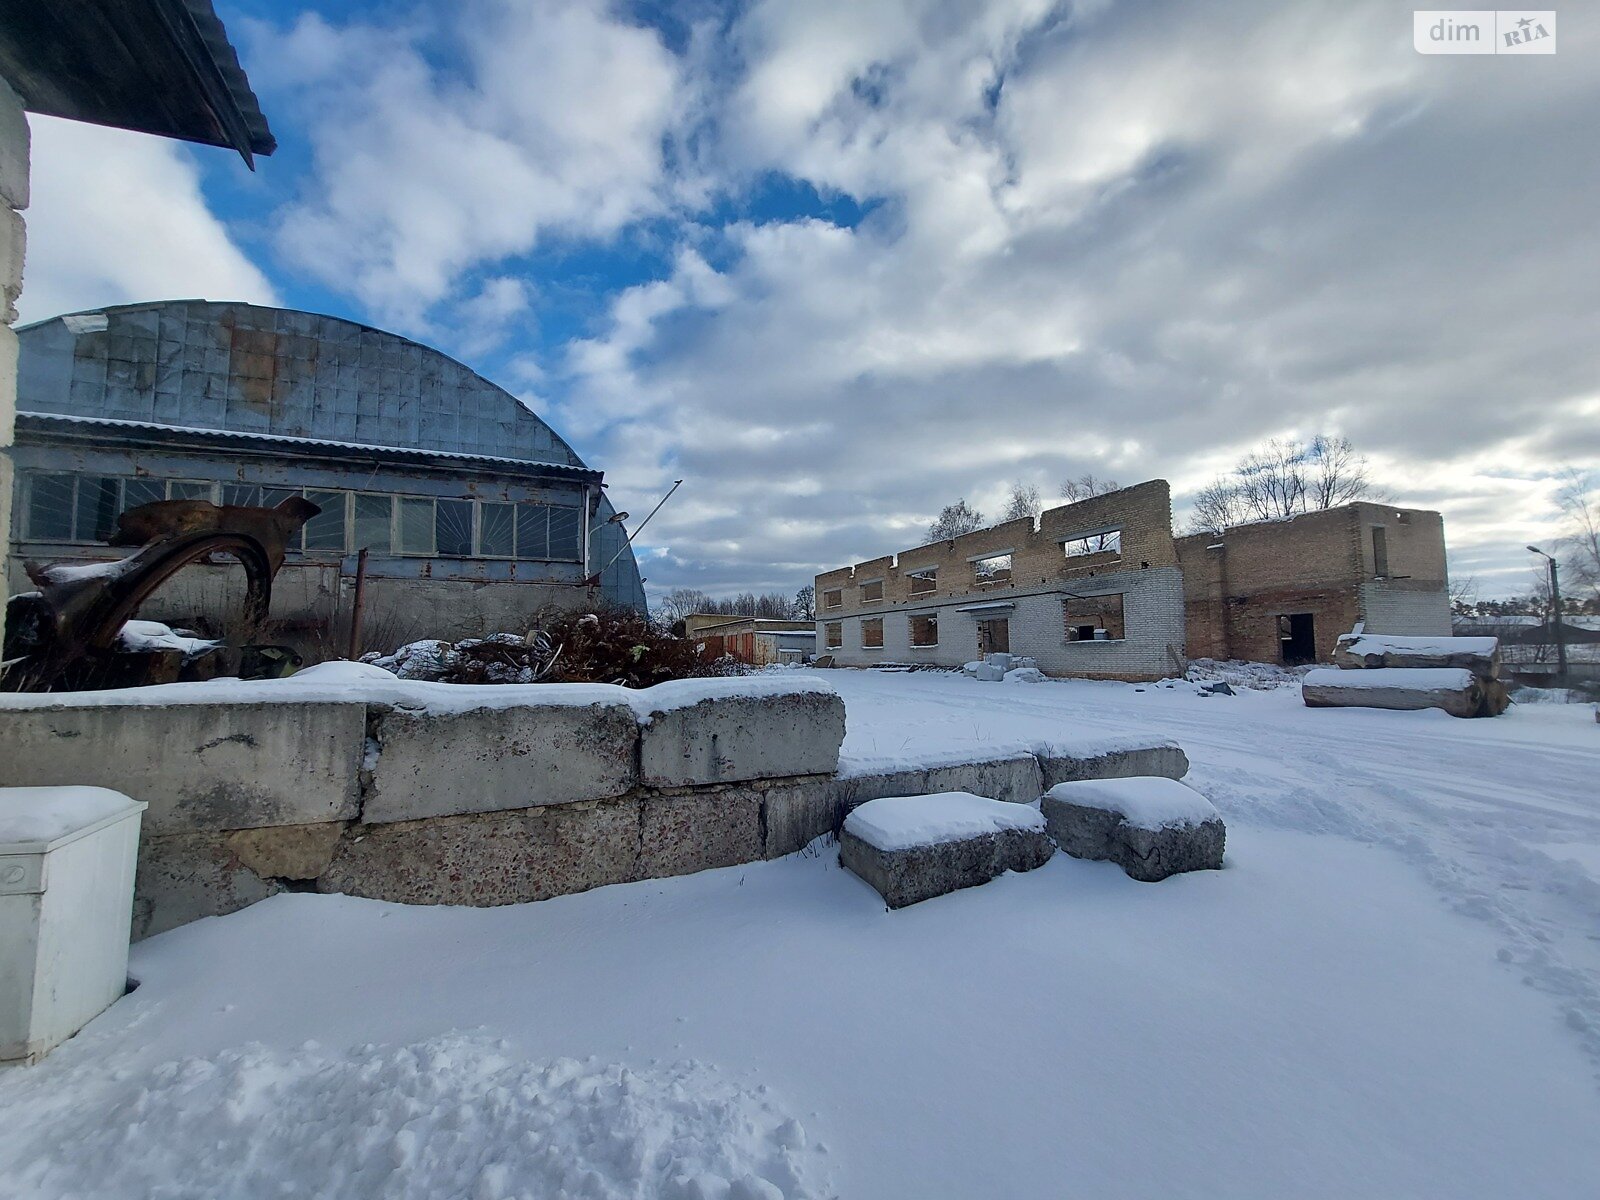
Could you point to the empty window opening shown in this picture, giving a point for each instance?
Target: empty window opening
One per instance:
(1107, 542)
(923, 582)
(1094, 618)
(832, 635)
(925, 630)
(872, 634)
(833, 598)
(994, 636)
(994, 569)
(1380, 551)
(872, 592)
(1297, 638)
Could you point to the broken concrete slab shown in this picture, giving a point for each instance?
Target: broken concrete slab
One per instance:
(913, 848)
(1367, 651)
(1150, 827)
(793, 815)
(286, 851)
(433, 764)
(708, 734)
(200, 767)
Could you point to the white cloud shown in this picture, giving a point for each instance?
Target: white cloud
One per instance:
(118, 217)
(549, 122)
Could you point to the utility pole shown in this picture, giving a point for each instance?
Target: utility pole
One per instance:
(1556, 627)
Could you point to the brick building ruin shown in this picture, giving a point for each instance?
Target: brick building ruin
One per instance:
(1101, 589)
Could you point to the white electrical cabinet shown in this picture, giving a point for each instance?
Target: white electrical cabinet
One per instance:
(67, 858)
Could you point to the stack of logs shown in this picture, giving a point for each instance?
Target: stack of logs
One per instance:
(1460, 675)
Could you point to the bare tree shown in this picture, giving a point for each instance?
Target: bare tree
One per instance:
(954, 520)
(1284, 478)
(1024, 501)
(679, 603)
(1217, 506)
(1087, 485)
(805, 603)
(1581, 544)
(1463, 594)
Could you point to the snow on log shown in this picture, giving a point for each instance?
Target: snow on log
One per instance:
(1480, 655)
(1456, 690)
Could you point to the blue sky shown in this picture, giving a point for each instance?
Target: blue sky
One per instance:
(838, 264)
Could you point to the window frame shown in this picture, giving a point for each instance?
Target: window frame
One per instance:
(911, 630)
(839, 603)
(993, 577)
(876, 621)
(1071, 622)
(871, 583)
(837, 631)
(930, 575)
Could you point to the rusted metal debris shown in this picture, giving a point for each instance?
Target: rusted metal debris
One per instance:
(72, 623)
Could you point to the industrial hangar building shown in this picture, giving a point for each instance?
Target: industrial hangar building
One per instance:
(474, 512)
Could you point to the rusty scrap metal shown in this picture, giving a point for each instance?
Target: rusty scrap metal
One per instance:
(79, 610)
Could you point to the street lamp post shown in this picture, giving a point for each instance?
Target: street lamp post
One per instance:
(1555, 615)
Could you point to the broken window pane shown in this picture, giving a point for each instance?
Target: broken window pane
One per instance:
(372, 523)
(452, 525)
(533, 531)
(50, 507)
(416, 526)
(189, 489)
(496, 528)
(566, 533)
(325, 531)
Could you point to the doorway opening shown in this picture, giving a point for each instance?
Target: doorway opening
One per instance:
(1297, 639)
(994, 636)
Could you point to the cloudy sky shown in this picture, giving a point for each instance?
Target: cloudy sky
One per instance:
(837, 263)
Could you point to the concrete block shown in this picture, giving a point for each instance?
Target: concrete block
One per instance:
(1017, 779)
(1455, 690)
(487, 760)
(988, 672)
(737, 737)
(486, 859)
(15, 143)
(184, 877)
(1367, 651)
(909, 870)
(200, 767)
(1151, 828)
(680, 834)
(286, 851)
(796, 814)
(1165, 759)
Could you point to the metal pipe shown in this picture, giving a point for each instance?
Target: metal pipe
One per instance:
(676, 484)
(354, 650)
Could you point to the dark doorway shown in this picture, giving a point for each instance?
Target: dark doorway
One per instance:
(994, 636)
(1297, 638)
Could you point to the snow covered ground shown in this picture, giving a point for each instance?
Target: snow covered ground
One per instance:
(1390, 991)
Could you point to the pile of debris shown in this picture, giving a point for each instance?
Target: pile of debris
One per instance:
(610, 646)
(1460, 675)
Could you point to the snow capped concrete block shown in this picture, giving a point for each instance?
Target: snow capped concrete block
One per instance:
(912, 848)
(1156, 757)
(988, 672)
(1455, 690)
(704, 731)
(490, 858)
(1150, 827)
(1015, 778)
(435, 764)
(1365, 651)
(198, 766)
(699, 831)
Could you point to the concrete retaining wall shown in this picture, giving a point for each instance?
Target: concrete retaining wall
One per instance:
(494, 805)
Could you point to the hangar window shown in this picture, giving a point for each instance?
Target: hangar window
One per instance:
(497, 529)
(324, 533)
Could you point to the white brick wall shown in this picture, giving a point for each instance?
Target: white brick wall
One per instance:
(1387, 607)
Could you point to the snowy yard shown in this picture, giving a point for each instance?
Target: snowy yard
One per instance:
(1392, 990)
